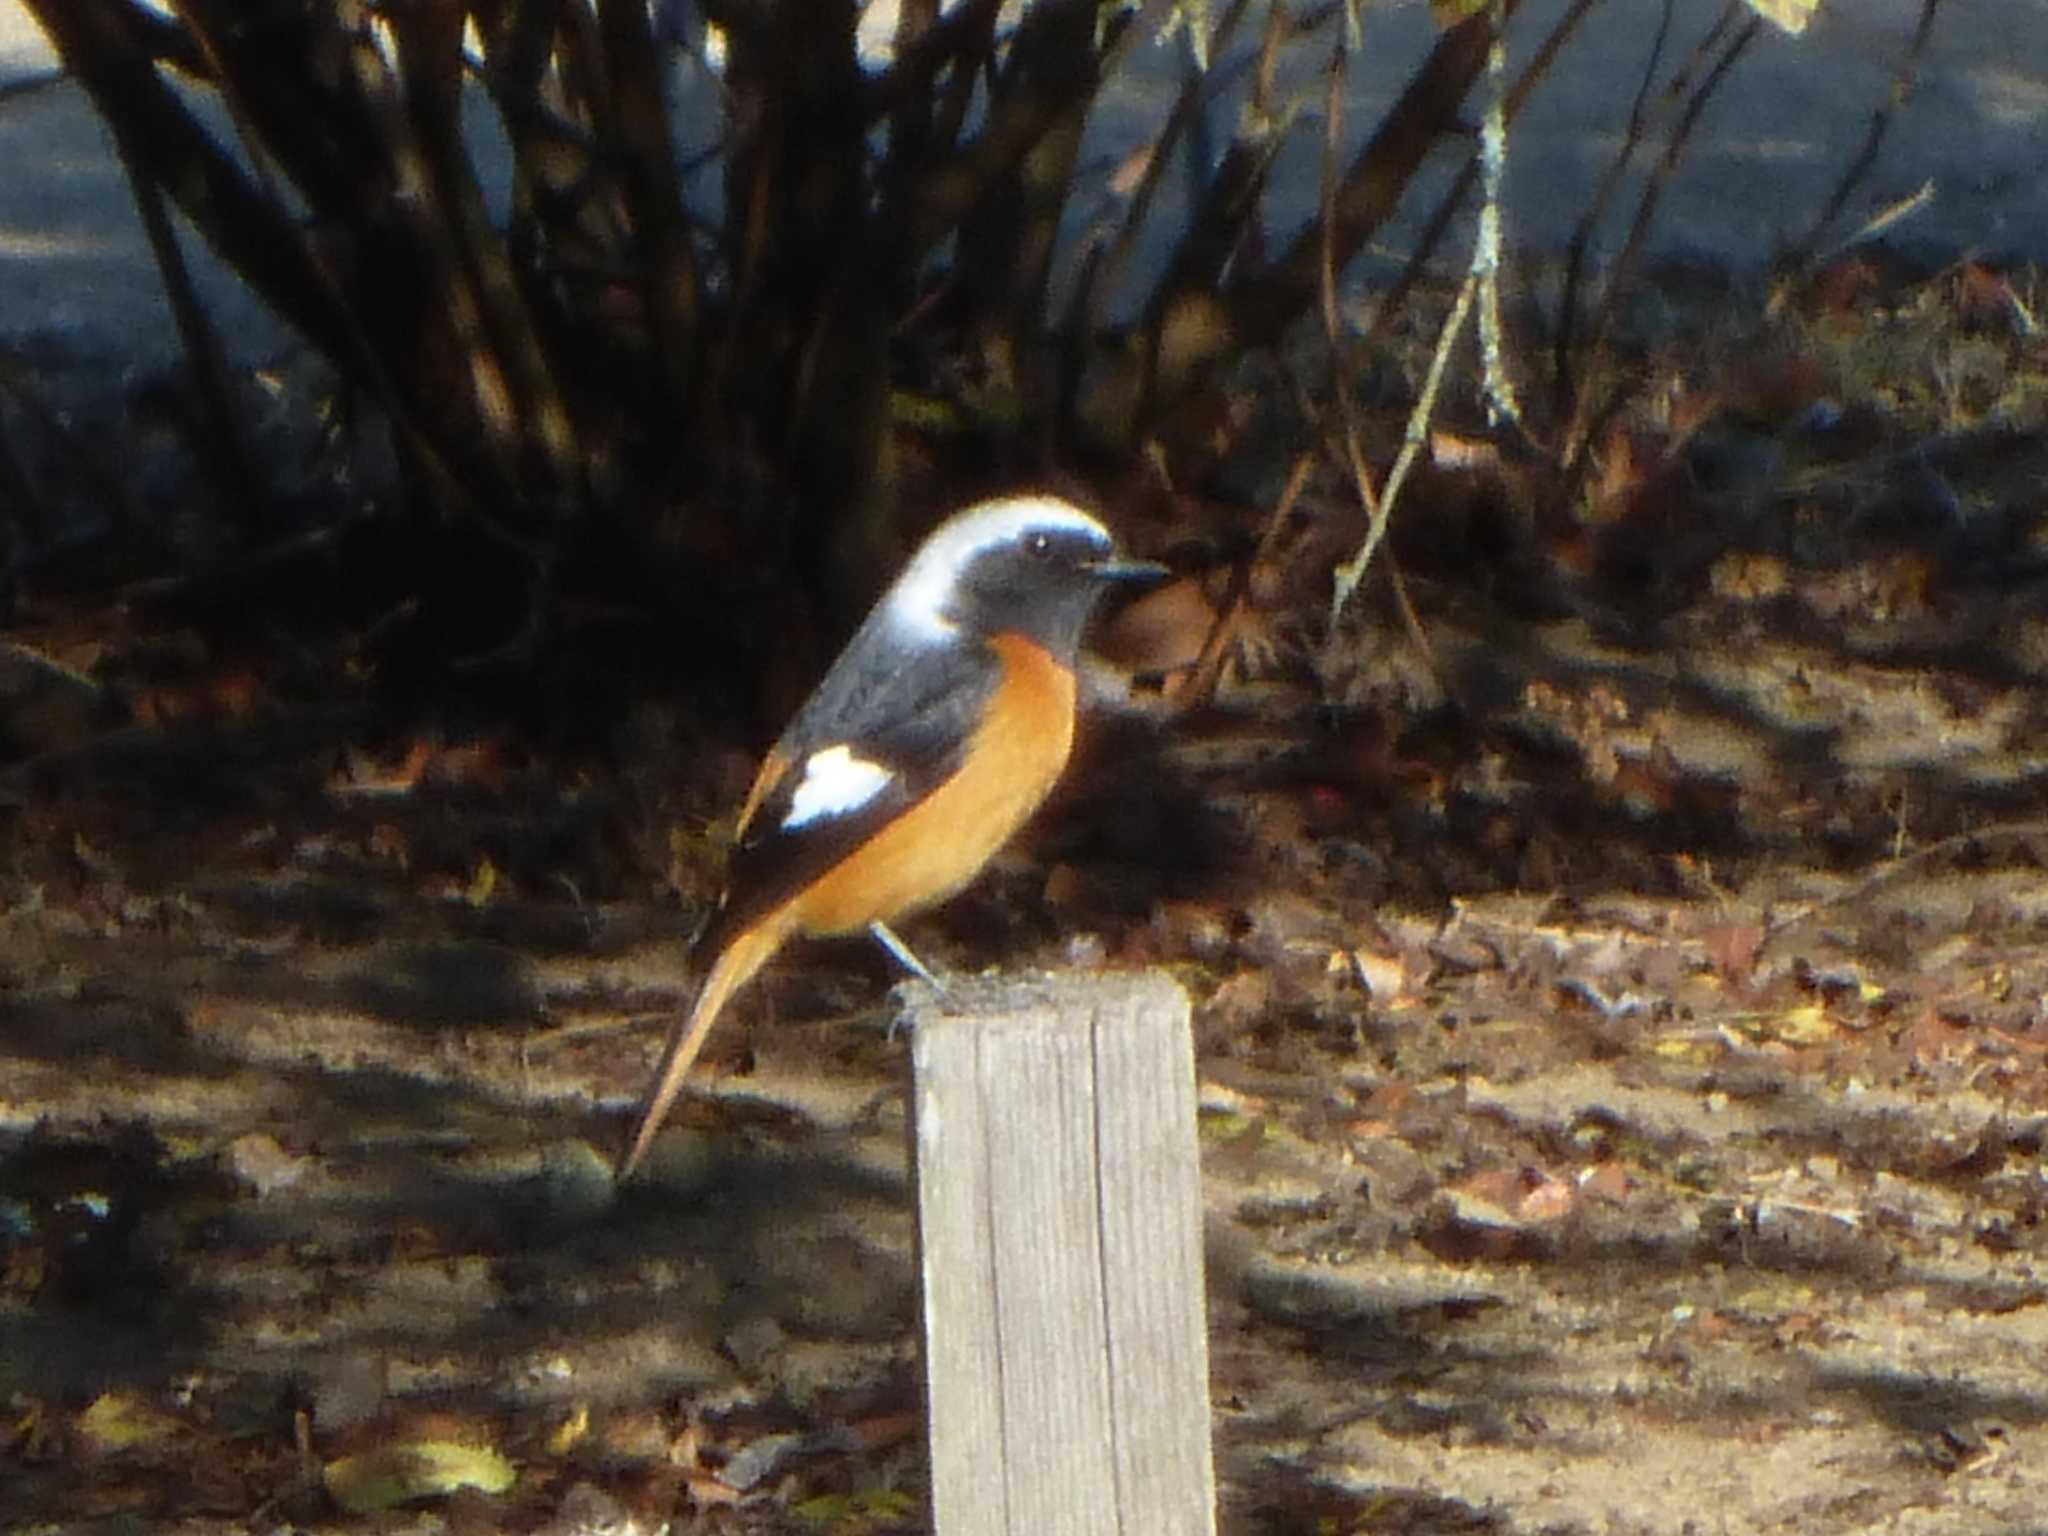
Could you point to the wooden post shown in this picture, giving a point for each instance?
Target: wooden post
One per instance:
(1060, 1235)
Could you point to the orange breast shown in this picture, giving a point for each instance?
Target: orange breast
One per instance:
(938, 846)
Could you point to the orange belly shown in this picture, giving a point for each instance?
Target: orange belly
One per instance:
(942, 843)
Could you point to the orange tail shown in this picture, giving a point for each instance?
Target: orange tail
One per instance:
(734, 967)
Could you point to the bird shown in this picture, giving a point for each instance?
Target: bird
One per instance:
(935, 735)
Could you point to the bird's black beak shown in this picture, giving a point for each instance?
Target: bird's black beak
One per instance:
(1134, 571)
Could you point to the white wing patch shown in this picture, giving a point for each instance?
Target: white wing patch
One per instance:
(835, 783)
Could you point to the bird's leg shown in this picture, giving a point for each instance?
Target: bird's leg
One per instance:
(886, 937)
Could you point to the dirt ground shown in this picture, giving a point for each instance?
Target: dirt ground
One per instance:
(1620, 1021)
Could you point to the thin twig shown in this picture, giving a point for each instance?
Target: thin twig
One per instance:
(1661, 176)
(1340, 374)
(1208, 669)
(1596, 208)
(223, 444)
(1803, 253)
(1394, 301)
(1263, 302)
(1196, 93)
(1502, 407)
(1347, 576)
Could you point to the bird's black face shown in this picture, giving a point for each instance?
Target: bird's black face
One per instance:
(1034, 566)
(1043, 585)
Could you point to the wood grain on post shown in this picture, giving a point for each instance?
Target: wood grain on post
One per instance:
(1060, 1227)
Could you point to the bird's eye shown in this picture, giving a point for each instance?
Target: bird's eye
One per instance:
(1039, 544)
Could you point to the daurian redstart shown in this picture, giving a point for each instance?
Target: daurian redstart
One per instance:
(935, 735)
